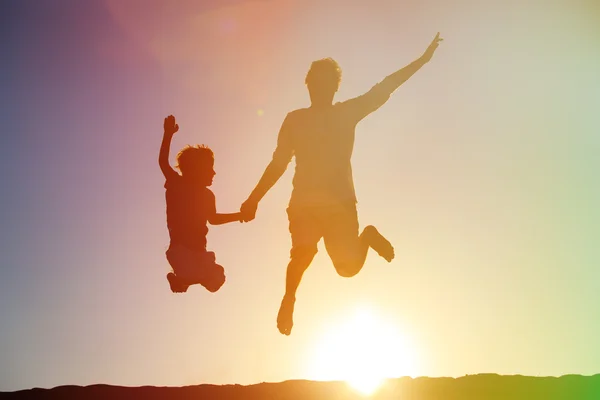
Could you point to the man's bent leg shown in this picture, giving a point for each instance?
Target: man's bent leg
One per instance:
(378, 243)
(348, 250)
(348, 253)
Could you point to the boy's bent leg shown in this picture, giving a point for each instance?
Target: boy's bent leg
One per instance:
(177, 256)
(177, 286)
(214, 279)
(194, 266)
(208, 273)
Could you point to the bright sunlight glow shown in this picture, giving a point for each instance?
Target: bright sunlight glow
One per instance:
(364, 350)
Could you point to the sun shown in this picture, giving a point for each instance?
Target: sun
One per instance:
(364, 351)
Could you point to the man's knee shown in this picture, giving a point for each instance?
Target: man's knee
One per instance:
(346, 260)
(346, 269)
(303, 253)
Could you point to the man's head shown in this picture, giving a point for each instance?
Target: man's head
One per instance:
(323, 80)
(197, 162)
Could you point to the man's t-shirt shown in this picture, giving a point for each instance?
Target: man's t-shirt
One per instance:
(322, 140)
(188, 208)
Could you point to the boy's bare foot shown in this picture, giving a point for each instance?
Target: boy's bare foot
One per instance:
(176, 285)
(285, 320)
(379, 243)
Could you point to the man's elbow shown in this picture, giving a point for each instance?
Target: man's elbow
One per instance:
(278, 166)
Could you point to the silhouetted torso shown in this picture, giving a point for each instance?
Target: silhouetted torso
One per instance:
(188, 206)
(322, 140)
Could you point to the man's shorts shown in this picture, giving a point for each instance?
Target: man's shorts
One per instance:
(194, 266)
(337, 225)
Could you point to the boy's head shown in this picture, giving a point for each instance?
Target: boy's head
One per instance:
(197, 162)
(323, 80)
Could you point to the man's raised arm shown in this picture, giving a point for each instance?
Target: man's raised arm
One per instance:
(379, 94)
(281, 158)
(393, 81)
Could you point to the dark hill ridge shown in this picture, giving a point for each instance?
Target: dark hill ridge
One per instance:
(470, 387)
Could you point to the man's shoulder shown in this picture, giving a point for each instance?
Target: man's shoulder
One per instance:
(294, 114)
(344, 107)
(345, 103)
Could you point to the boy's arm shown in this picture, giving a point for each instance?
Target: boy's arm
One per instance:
(379, 94)
(220, 219)
(215, 218)
(281, 158)
(163, 156)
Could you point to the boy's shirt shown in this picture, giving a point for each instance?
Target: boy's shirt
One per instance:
(188, 208)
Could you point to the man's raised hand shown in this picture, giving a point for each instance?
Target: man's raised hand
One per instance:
(170, 126)
(431, 49)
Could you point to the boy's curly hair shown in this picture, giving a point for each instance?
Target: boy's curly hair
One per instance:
(324, 70)
(191, 156)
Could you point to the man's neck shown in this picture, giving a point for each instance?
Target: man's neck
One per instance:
(318, 101)
(320, 104)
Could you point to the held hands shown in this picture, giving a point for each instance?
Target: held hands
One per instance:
(248, 210)
(431, 49)
(170, 126)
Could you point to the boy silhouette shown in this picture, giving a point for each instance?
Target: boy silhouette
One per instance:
(323, 200)
(190, 206)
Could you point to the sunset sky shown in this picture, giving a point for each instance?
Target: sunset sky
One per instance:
(482, 170)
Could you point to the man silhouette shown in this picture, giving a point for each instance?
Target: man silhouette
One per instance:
(323, 200)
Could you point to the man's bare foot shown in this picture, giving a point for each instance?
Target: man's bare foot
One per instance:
(379, 243)
(176, 285)
(285, 320)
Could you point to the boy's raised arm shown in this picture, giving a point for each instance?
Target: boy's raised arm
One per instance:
(163, 156)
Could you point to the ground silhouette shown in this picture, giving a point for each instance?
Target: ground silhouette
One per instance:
(470, 387)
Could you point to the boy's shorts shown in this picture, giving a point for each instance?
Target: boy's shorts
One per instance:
(194, 266)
